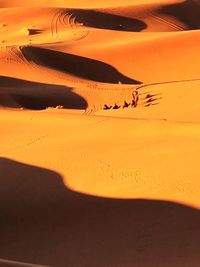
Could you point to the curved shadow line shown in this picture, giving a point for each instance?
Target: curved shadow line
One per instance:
(82, 67)
(101, 20)
(188, 12)
(39, 214)
(37, 96)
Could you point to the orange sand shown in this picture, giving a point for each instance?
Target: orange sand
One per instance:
(83, 185)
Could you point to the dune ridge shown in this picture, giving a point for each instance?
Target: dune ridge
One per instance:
(100, 133)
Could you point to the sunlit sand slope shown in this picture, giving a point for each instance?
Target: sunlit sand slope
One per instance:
(100, 133)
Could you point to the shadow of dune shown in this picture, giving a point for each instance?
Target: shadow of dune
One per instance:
(96, 19)
(82, 67)
(32, 95)
(43, 222)
(187, 12)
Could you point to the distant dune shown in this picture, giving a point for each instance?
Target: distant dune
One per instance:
(100, 133)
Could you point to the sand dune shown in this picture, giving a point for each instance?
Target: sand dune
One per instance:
(84, 68)
(166, 16)
(81, 3)
(89, 174)
(24, 94)
(117, 232)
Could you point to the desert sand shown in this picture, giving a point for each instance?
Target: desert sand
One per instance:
(86, 178)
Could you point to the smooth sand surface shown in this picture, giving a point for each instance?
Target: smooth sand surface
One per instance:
(86, 178)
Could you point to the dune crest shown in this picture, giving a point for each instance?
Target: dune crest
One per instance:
(100, 133)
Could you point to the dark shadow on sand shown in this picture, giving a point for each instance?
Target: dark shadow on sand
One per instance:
(187, 12)
(32, 95)
(100, 20)
(82, 67)
(34, 31)
(43, 222)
